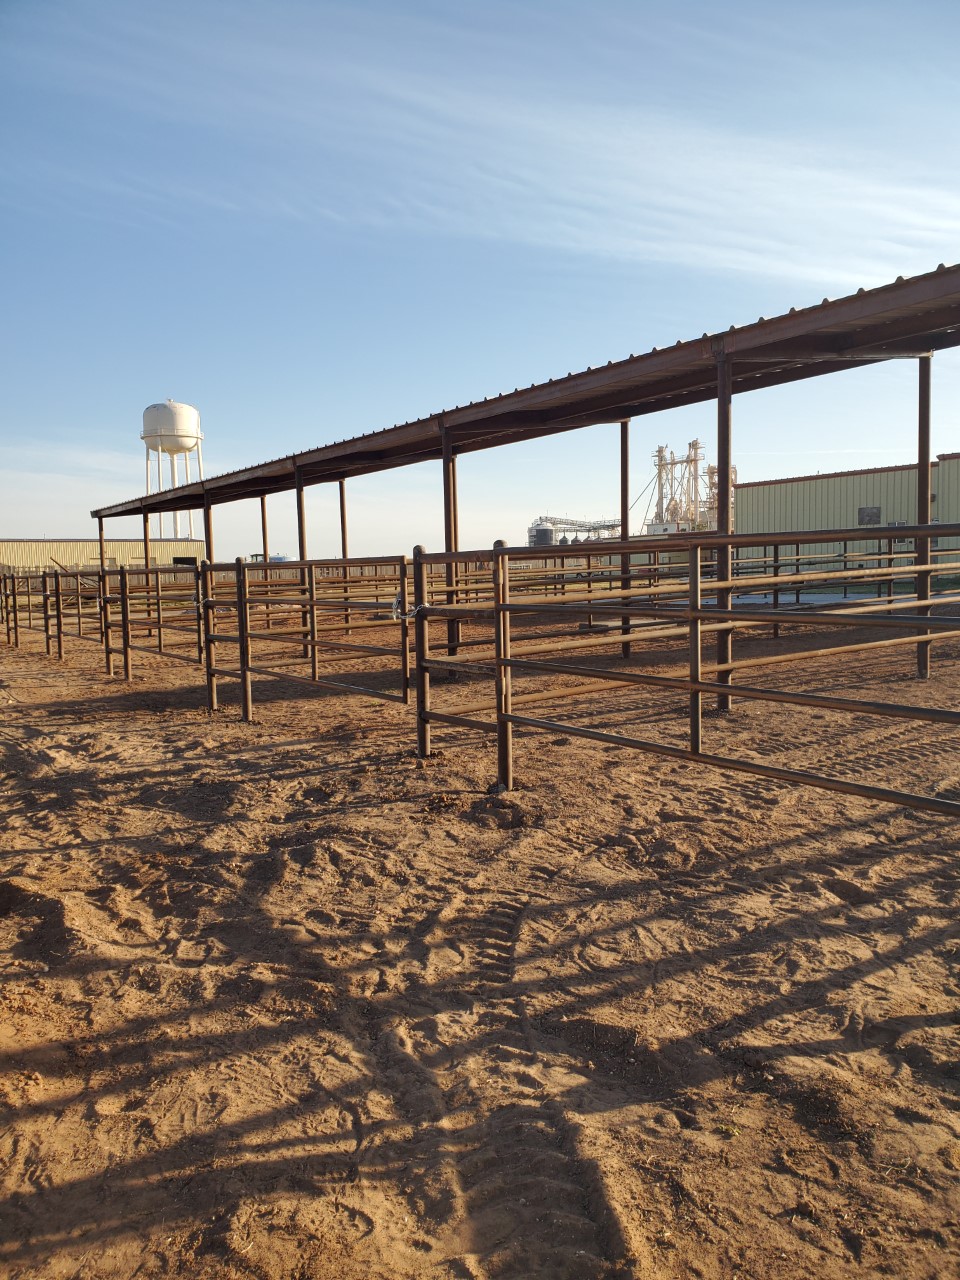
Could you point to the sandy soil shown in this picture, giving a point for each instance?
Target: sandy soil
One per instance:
(281, 1000)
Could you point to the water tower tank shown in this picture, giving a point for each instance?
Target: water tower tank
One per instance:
(543, 534)
(171, 427)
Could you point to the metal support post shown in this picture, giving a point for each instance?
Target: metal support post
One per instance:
(106, 620)
(625, 527)
(405, 630)
(243, 632)
(504, 684)
(450, 534)
(45, 595)
(125, 623)
(314, 648)
(342, 486)
(198, 607)
(160, 606)
(16, 613)
(209, 616)
(263, 528)
(58, 613)
(724, 517)
(302, 553)
(696, 670)
(776, 592)
(924, 545)
(146, 568)
(208, 528)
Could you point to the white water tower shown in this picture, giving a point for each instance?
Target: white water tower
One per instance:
(172, 429)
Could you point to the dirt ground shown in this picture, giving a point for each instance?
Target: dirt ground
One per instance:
(281, 1001)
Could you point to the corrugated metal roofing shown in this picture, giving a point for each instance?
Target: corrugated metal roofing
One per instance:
(907, 318)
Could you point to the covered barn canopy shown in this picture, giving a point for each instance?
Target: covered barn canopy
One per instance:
(909, 318)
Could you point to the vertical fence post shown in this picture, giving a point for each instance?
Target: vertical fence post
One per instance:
(198, 609)
(696, 670)
(106, 619)
(451, 543)
(404, 605)
(58, 613)
(924, 585)
(776, 592)
(101, 592)
(314, 647)
(891, 579)
(422, 641)
(176, 586)
(7, 621)
(504, 684)
(45, 594)
(125, 622)
(209, 612)
(243, 632)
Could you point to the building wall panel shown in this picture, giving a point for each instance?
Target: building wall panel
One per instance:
(25, 554)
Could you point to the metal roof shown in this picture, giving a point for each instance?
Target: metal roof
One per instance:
(910, 317)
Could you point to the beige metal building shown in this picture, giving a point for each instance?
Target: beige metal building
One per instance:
(873, 499)
(25, 555)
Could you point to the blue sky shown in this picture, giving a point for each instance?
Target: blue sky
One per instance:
(314, 219)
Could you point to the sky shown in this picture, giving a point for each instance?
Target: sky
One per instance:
(314, 219)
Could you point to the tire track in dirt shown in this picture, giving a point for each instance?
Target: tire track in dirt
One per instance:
(500, 1166)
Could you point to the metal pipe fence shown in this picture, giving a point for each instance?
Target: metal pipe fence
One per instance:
(728, 607)
(488, 637)
(309, 622)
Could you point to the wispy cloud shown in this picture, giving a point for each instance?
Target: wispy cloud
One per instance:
(317, 130)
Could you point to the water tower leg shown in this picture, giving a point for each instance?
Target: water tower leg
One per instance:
(175, 478)
(186, 467)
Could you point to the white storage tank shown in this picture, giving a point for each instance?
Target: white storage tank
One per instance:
(171, 427)
(171, 430)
